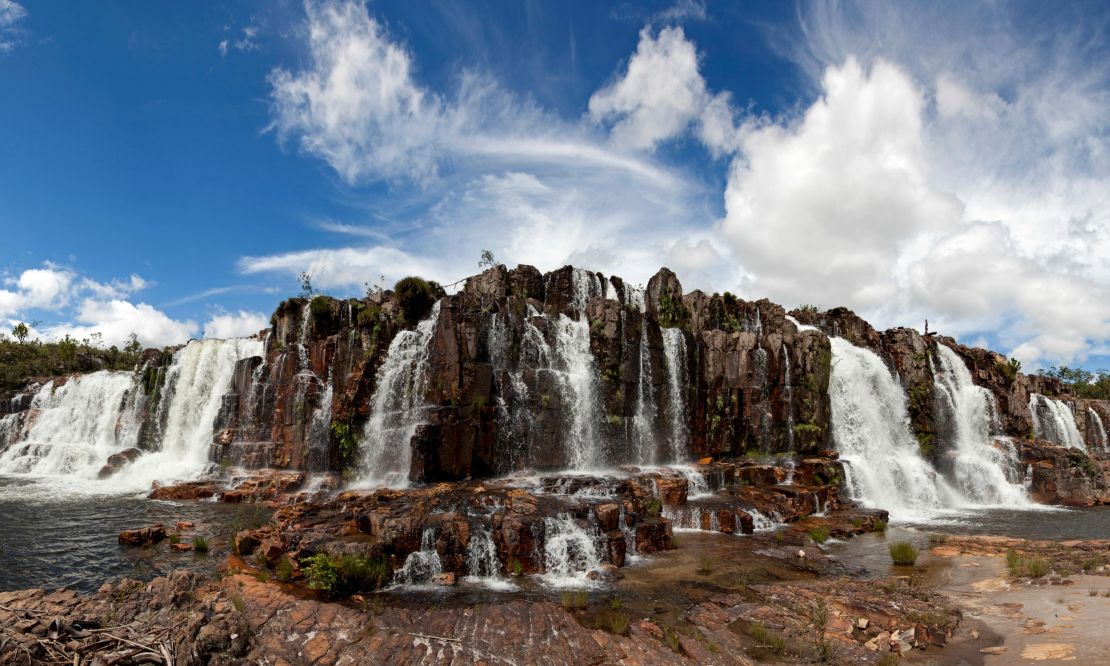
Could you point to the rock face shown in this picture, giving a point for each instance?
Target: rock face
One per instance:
(569, 369)
(520, 366)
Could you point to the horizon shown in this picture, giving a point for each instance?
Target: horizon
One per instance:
(171, 170)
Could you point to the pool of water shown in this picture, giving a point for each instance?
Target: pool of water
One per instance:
(52, 537)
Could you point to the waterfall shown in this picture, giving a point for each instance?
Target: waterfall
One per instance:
(482, 564)
(577, 379)
(397, 407)
(421, 566)
(802, 328)
(697, 486)
(674, 355)
(788, 398)
(644, 429)
(764, 523)
(1097, 430)
(569, 553)
(72, 428)
(978, 467)
(318, 438)
(1053, 420)
(871, 428)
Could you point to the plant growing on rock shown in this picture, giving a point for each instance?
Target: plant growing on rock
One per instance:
(200, 545)
(903, 553)
(880, 525)
(416, 296)
(344, 575)
(819, 534)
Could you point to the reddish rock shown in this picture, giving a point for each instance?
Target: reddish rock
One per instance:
(672, 489)
(118, 461)
(144, 536)
(608, 516)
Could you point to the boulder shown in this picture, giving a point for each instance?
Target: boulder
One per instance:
(118, 461)
(144, 536)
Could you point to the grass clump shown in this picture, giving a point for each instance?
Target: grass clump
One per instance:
(903, 553)
(344, 575)
(283, 570)
(1026, 567)
(819, 534)
(200, 545)
(706, 566)
(618, 623)
(766, 639)
(880, 525)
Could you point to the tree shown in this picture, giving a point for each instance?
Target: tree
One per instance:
(306, 284)
(20, 331)
(133, 346)
(487, 260)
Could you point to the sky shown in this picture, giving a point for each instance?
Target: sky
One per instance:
(168, 169)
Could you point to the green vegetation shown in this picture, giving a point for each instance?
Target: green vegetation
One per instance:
(819, 534)
(880, 525)
(672, 311)
(575, 599)
(926, 444)
(283, 570)
(348, 443)
(654, 508)
(416, 296)
(1027, 567)
(487, 260)
(1086, 384)
(766, 639)
(706, 565)
(1009, 370)
(343, 575)
(903, 553)
(22, 359)
(200, 545)
(618, 623)
(516, 567)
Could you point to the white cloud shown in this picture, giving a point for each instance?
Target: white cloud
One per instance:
(492, 170)
(240, 324)
(11, 13)
(683, 10)
(116, 319)
(661, 94)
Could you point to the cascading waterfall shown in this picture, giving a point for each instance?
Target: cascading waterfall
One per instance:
(421, 566)
(788, 398)
(978, 467)
(1096, 428)
(319, 429)
(569, 553)
(1054, 421)
(482, 564)
(397, 407)
(75, 428)
(871, 428)
(577, 379)
(674, 356)
(644, 428)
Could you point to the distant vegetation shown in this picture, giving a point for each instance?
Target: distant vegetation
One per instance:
(22, 359)
(1086, 384)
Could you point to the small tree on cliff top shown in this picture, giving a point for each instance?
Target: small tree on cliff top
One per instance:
(416, 296)
(20, 331)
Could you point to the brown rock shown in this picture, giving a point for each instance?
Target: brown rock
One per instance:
(144, 536)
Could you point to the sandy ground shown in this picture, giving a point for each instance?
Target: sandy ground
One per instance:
(1017, 623)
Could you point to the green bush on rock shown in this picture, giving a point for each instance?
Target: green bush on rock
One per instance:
(344, 575)
(903, 553)
(416, 296)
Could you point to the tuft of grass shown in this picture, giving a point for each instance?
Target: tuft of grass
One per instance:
(890, 659)
(615, 604)
(766, 639)
(283, 570)
(880, 525)
(1037, 567)
(238, 603)
(618, 624)
(1030, 567)
(819, 534)
(706, 565)
(937, 539)
(200, 545)
(174, 538)
(903, 553)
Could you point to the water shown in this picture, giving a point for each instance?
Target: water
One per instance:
(73, 427)
(421, 566)
(569, 554)
(980, 470)
(674, 356)
(802, 328)
(1098, 431)
(644, 423)
(1053, 420)
(54, 537)
(578, 385)
(871, 428)
(482, 564)
(397, 407)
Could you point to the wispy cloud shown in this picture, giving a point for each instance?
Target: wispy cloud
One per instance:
(11, 13)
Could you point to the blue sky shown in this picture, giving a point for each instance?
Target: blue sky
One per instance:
(169, 168)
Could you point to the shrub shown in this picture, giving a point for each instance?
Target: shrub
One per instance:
(416, 296)
(283, 571)
(200, 545)
(819, 534)
(344, 575)
(903, 553)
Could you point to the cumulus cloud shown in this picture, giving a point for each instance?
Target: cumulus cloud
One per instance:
(235, 324)
(661, 94)
(87, 306)
(11, 13)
